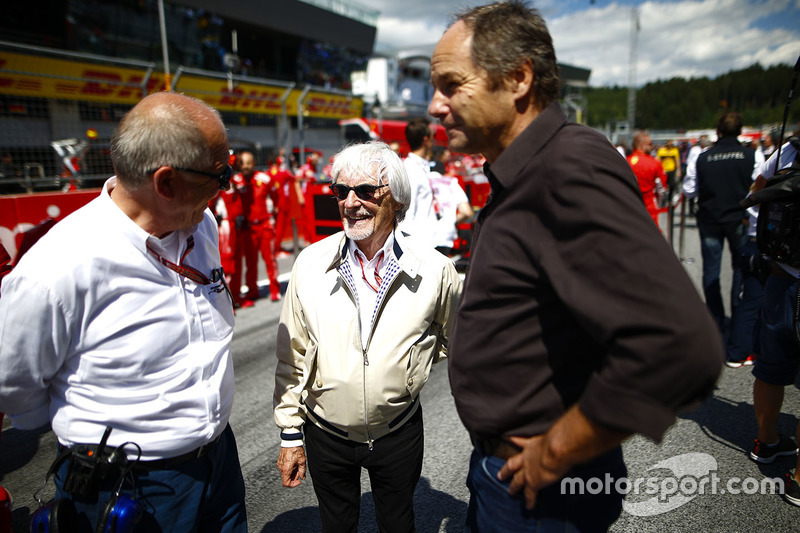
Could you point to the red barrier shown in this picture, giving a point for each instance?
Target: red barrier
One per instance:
(320, 215)
(323, 210)
(21, 212)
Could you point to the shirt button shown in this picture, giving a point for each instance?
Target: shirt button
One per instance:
(410, 382)
(319, 383)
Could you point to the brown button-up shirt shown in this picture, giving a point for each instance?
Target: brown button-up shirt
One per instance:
(573, 296)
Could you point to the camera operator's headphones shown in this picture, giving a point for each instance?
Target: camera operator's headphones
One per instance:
(120, 514)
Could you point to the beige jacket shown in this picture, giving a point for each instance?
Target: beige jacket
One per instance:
(324, 374)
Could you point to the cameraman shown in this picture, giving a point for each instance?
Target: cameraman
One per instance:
(778, 361)
(119, 318)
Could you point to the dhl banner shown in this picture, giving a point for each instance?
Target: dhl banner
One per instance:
(42, 77)
(265, 99)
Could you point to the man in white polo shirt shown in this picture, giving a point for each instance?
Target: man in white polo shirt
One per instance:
(116, 327)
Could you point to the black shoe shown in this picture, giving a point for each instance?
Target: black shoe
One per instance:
(791, 489)
(764, 453)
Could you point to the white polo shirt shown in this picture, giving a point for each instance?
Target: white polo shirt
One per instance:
(96, 332)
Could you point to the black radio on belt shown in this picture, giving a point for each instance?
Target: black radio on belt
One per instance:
(89, 464)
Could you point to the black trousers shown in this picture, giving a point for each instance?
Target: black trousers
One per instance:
(394, 466)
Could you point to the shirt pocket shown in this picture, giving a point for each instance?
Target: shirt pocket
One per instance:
(220, 309)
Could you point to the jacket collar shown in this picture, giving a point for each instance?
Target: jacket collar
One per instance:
(406, 259)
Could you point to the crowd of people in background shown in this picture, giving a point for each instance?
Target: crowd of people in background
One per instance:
(677, 154)
(668, 174)
(264, 208)
(759, 328)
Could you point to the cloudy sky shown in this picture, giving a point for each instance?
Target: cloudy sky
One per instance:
(677, 38)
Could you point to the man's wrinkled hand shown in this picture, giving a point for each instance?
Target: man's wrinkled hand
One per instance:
(292, 465)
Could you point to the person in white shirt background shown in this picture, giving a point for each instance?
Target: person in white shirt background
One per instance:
(127, 328)
(454, 207)
(420, 219)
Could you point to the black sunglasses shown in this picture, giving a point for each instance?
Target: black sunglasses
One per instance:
(363, 191)
(224, 179)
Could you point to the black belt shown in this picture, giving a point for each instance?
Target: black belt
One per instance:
(496, 446)
(166, 464)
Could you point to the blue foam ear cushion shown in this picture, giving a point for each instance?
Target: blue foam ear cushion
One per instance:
(120, 515)
(57, 516)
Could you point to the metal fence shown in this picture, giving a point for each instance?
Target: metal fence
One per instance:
(58, 111)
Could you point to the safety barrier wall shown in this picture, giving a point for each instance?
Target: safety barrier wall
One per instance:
(19, 213)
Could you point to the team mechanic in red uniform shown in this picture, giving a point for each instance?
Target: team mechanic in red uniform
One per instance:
(284, 181)
(258, 198)
(228, 209)
(648, 171)
(307, 175)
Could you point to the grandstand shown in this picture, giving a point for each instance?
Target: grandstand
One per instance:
(279, 74)
(282, 74)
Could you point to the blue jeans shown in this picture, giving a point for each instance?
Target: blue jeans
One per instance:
(712, 241)
(778, 360)
(492, 510)
(197, 495)
(746, 309)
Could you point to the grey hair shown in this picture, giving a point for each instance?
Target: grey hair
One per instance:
(377, 160)
(167, 132)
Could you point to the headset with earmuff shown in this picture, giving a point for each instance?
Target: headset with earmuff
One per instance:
(120, 514)
(55, 516)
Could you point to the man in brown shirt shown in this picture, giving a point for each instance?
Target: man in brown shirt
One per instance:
(578, 326)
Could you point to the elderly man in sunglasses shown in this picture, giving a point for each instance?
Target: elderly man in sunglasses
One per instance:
(115, 328)
(366, 313)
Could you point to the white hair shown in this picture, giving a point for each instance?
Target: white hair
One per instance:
(376, 160)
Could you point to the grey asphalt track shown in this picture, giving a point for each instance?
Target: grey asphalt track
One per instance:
(708, 443)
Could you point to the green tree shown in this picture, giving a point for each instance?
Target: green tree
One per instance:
(757, 93)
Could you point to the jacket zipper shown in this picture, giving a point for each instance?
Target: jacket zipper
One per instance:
(370, 440)
(353, 294)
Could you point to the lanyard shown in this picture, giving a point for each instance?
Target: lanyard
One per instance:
(191, 273)
(185, 270)
(364, 275)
